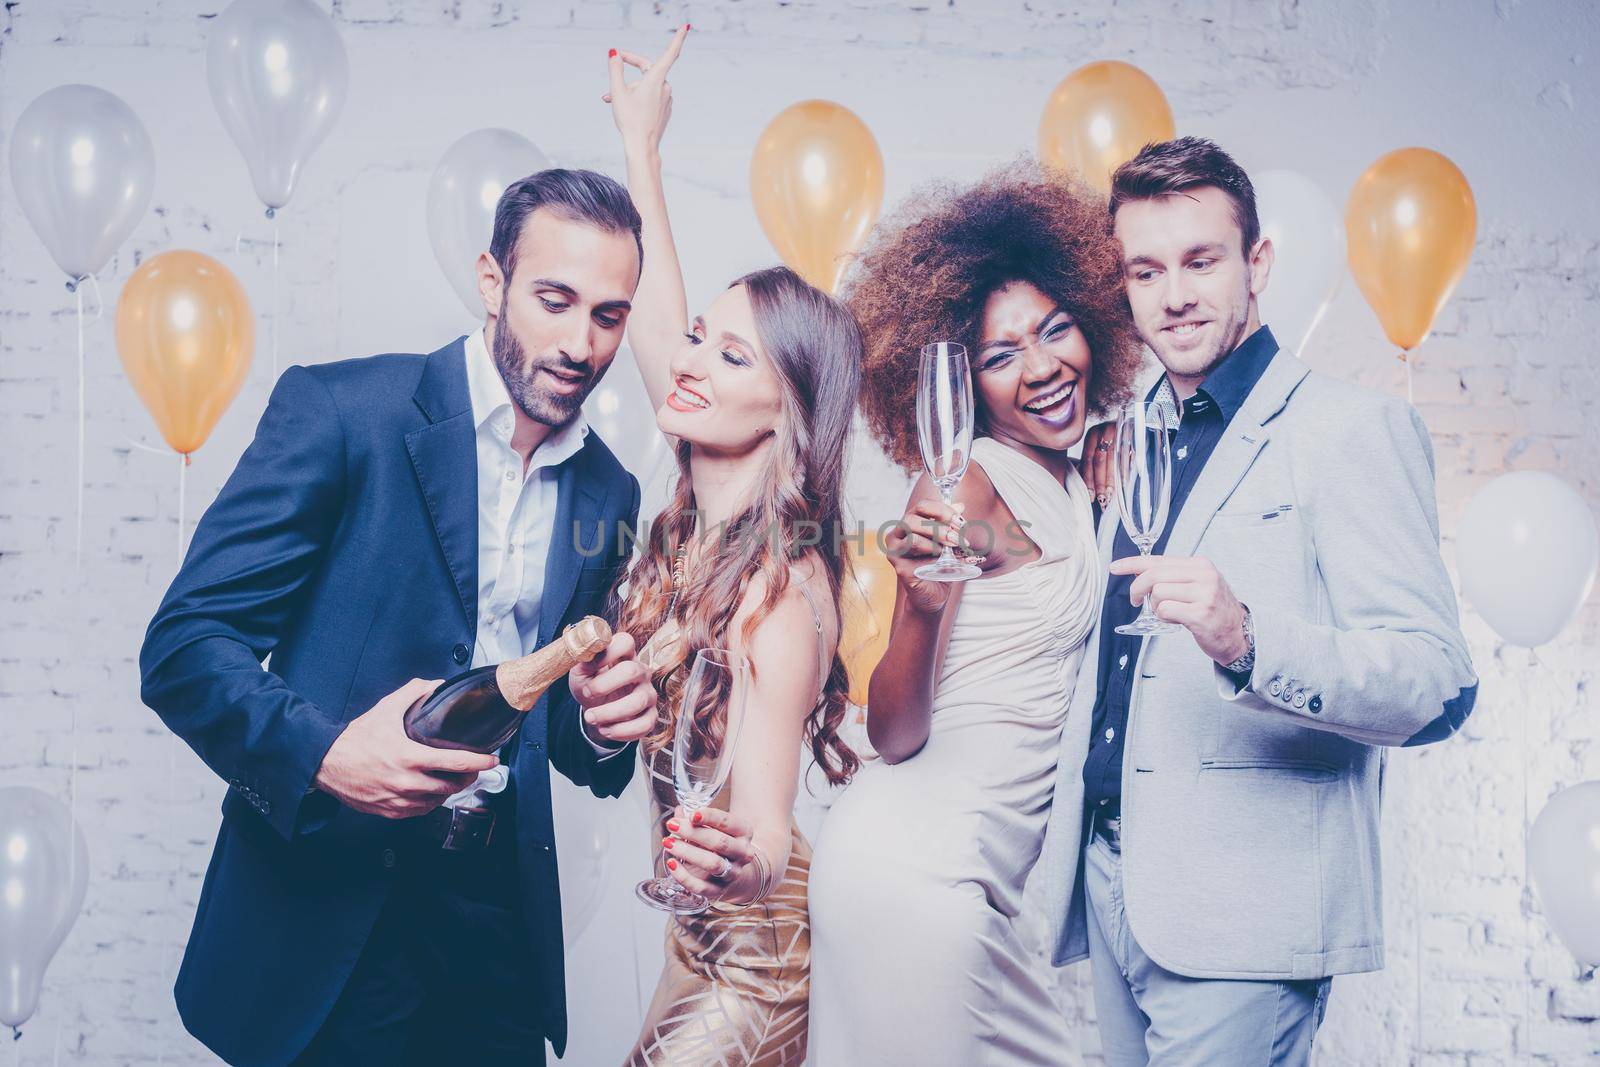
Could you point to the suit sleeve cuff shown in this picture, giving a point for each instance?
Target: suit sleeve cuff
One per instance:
(603, 750)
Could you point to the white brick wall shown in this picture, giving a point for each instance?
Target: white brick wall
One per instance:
(1507, 89)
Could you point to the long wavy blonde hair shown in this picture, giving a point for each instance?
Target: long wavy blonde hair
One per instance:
(815, 347)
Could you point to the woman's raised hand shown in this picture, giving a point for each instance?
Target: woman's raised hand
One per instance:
(641, 110)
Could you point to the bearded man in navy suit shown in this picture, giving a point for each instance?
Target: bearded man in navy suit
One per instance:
(401, 518)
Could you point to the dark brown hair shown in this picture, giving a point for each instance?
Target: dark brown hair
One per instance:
(929, 269)
(815, 348)
(1177, 166)
(580, 195)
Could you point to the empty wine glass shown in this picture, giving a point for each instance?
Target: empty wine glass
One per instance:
(944, 429)
(1144, 491)
(702, 755)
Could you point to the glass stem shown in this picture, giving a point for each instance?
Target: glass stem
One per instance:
(1147, 613)
(947, 557)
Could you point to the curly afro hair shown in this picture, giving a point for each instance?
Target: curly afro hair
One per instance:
(929, 269)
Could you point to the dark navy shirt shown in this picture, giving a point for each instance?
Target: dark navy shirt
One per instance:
(1205, 416)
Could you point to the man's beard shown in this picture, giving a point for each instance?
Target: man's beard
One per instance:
(1230, 335)
(521, 378)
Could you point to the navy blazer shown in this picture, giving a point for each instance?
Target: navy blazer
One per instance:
(345, 544)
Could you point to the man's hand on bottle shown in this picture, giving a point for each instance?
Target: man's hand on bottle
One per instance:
(614, 691)
(375, 768)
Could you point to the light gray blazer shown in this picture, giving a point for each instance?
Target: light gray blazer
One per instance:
(1250, 818)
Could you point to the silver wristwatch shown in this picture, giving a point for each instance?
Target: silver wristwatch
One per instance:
(1245, 663)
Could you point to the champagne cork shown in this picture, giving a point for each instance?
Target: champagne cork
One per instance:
(523, 681)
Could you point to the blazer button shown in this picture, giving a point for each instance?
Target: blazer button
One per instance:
(266, 807)
(388, 857)
(460, 653)
(1275, 688)
(1315, 705)
(1300, 699)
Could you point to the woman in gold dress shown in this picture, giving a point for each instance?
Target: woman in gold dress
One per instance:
(757, 395)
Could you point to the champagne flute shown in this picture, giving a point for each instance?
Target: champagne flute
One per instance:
(1144, 491)
(944, 429)
(720, 679)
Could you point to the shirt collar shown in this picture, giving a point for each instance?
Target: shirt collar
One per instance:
(491, 405)
(1229, 384)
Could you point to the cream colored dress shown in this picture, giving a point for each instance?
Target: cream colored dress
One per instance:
(918, 874)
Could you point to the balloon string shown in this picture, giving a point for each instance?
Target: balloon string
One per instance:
(183, 483)
(634, 918)
(77, 540)
(77, 575)
(1416, 868)
(99, 301)
(1527, 867)
(274, 298)
(1410, 399)
(171, 949)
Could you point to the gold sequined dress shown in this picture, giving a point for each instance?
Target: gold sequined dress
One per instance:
(736, 986)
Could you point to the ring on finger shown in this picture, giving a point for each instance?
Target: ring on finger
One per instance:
(722, 871)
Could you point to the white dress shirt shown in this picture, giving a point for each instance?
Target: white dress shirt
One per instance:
(516, 521)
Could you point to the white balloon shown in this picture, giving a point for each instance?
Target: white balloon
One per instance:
(83, 169)
(619, 410)
(1564, 858)
(278, 74)
(462, 194)
(44, 873)
(583, 840)
(1527, 551)
(1307, 232)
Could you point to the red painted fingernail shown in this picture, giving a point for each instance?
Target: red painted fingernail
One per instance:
(611, 54)
(666, 842)
(672, 865)
(688, 26)
(672, 826)
(696, 819)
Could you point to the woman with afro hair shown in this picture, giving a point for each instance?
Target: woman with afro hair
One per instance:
(918, 875)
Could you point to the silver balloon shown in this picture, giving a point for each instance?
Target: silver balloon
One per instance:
(83, 169)
(44, 870)
(462, 194)
(1564, 859)
(1307, 233)
(1528, 554)
(619, 411)
(278, 75)
(583, 840)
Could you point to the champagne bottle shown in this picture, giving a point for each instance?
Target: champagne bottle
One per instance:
(483, 708)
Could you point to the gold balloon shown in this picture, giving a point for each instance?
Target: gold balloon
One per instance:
(1099, 117)
(817, 182)
(868, 612)
(1410, 225)
(185, 334)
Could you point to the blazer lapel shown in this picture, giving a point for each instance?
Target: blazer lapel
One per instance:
(445, 457)
(1242, 441)
(577, 511)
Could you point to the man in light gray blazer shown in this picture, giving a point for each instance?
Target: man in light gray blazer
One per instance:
(1213, 847)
